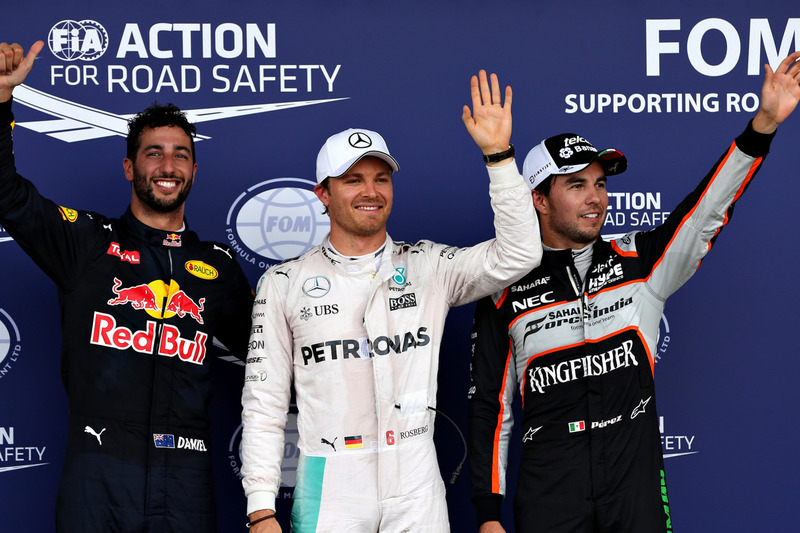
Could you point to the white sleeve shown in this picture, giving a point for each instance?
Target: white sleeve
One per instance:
(266, 395)
(467, 274)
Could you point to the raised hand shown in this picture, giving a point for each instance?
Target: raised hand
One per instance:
(14, 66)
(779, 94)
(489, 123)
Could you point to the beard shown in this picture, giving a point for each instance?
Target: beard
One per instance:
(143, 188)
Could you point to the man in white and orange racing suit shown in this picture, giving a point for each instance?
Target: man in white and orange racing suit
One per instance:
(577, 336)
(356, 324)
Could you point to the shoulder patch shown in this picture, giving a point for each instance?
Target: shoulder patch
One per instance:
(201, 270)
(68, 214)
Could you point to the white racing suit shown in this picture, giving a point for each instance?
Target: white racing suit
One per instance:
(362, 346)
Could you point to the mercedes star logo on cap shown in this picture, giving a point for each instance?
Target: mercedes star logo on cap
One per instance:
(359, 140)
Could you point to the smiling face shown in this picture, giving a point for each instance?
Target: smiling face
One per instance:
(572, 214)
(359, 203)
(162, 174)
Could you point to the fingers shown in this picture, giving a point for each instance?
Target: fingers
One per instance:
(789, 64)
(486, 96)
(485, 90)
(495, 90)
(13, 55)
(33, 52)
(475, 92)
(466, 116)
(10, 57)
(508, 97)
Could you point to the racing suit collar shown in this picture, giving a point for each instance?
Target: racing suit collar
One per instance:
(157, 237)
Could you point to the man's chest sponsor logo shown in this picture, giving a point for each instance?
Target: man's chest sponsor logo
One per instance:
(307, 313)
(604, 276)
(364, 348)
(543, 377)
(533, 301)
(403, 302)
(168, 343)
(124, 255)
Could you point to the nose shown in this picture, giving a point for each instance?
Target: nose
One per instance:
(593, 196)
(369, 189)
(167, 164)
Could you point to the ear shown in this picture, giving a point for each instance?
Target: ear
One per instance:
(322, 194)
(540, 202)
(127, 165)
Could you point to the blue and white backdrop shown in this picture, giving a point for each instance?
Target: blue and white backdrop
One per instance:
(670, 85)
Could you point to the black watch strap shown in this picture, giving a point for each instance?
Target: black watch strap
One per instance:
(499, 156)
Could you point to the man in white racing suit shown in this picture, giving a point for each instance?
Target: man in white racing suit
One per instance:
(355, 324)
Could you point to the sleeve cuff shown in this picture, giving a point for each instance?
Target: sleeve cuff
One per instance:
(258, 500)
(505, 176)
(753, 143)
(488, 507)
(6, 116)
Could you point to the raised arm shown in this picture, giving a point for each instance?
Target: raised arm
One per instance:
(779, 94)
(489, 122)
(14, 66)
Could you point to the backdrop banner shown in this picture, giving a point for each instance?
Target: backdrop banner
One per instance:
(670, 85)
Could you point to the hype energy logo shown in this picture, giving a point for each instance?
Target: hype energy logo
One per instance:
(275, 220)
(10, 344)
(291, 455)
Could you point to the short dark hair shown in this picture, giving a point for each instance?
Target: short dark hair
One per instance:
(545, 186)
(326, 184)
(156, 116)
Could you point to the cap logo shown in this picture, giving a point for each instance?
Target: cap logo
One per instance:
(359, 140)
(565, 153)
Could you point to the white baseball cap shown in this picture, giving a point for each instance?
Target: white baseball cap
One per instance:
(568, 153)
(345, 149)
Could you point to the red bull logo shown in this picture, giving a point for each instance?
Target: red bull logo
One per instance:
(182, 305)
(105, 332)
(148, 296)
(139, 296)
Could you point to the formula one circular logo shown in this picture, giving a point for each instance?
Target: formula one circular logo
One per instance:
(276, 220)
(10, 346)
(291, 454)
(71, 40)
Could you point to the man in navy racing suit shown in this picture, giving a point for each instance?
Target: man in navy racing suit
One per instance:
(141, 298)
(577, 336)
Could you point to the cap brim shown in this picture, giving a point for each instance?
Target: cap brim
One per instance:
(345, 168)
(613, 161)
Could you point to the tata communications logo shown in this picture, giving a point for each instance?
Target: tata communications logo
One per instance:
(70, 40)
(276, 220)
(10, 347)
(291, 455)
